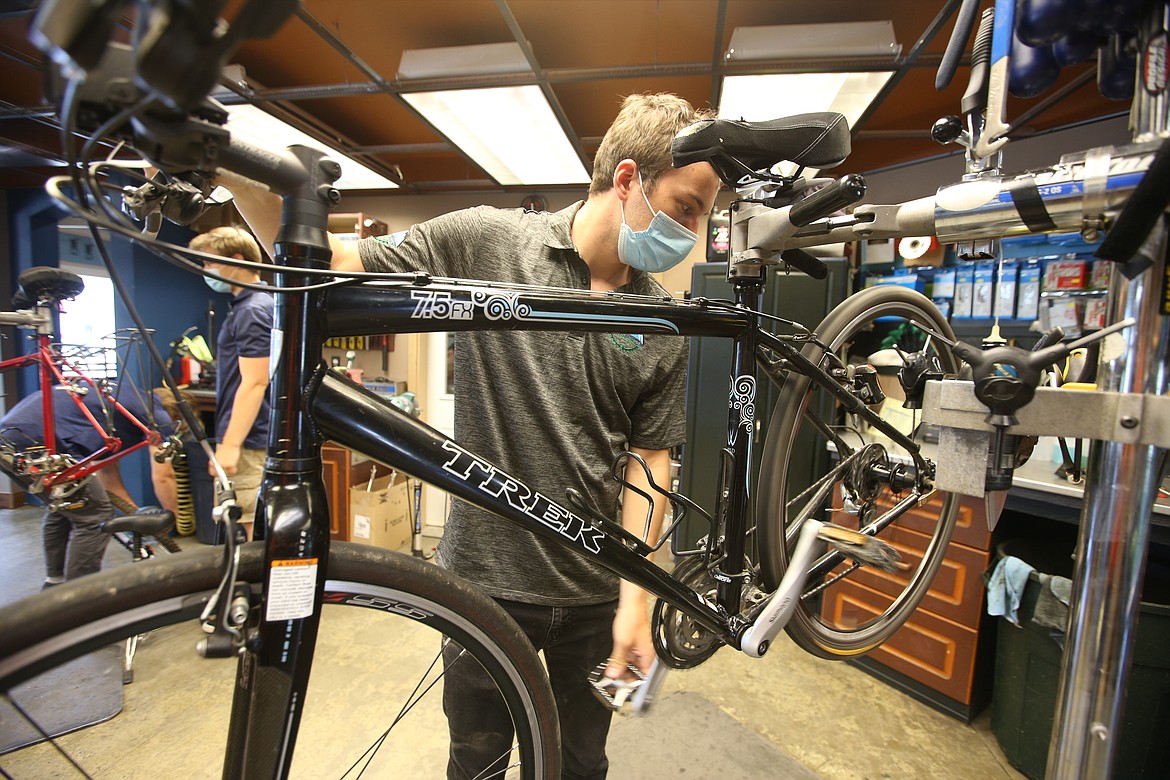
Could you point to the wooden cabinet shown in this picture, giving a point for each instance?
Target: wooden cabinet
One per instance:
(335, 471)
(340, 473)
(942, 654)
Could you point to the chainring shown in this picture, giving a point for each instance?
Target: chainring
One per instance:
(682, 643)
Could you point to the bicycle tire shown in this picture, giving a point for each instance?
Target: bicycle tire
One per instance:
(397, 596)
(818, 624)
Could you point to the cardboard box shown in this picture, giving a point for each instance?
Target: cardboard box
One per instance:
(1095, 314)
(944, 284)
(381, 516)
(910, 281)
(1066, 314)
(386, 387)
(1099, 274)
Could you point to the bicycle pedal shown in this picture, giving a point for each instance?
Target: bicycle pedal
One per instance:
(861, 547)
(613, 693)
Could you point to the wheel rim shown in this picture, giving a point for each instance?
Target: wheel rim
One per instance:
(361, 658)
(828, 622)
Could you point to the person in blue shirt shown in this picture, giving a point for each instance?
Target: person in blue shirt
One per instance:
(72, 530)
(241, 377)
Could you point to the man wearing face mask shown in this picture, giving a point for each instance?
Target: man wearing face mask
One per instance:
(241, 378)
(556, 409)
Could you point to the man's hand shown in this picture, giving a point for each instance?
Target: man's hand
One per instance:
(632, 643)
(228, 456)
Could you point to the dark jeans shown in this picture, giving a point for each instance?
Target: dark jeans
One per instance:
(574, 640)
(74, 540)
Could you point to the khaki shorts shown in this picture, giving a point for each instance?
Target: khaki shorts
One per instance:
(249, 473)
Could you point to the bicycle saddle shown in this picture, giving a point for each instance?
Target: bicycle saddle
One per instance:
(148, 521)
(735, 148)
(42, 283)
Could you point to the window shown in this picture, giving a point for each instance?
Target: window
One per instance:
(87, 323)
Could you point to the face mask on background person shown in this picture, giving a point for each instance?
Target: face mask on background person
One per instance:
(660, 247)
(219, 285)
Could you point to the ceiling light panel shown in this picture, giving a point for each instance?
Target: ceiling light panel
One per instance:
(263, 129)
(813, 41)
(756, 98)
(510, 132)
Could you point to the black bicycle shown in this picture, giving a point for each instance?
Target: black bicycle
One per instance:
(776, 540)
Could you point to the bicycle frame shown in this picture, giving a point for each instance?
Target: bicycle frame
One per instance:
(312, 403)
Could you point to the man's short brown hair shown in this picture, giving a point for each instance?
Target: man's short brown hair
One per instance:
(642, 132)
(228, 241)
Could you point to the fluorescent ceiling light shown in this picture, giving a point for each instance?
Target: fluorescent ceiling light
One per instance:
(771, 96)
(265, 130)
(759, 97)
(813, 41)
(510, 132)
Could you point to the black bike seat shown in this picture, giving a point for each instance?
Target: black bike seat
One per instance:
(148, 521)
(42, 283)
(819, 140)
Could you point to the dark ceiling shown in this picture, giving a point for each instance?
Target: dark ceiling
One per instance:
(334, 64)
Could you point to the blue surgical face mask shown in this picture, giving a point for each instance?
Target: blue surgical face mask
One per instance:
(219, 285)
(660, 247)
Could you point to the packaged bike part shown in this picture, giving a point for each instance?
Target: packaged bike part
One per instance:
(1028, 295)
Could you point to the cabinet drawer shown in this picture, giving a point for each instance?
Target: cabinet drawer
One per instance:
(970, 521)
(929, 649)
(957, 590)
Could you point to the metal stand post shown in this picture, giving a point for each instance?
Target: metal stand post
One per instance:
(1111, 550)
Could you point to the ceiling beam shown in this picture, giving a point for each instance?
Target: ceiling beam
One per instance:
(717, 56)
(541, 81)
(551, 76)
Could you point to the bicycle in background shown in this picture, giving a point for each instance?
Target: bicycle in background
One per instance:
(49, 474)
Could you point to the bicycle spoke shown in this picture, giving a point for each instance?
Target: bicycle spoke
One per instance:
(30, 720)
(411, 700)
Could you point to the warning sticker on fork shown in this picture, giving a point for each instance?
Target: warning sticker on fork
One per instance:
(290, 589)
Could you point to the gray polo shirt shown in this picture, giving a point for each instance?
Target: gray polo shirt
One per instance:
(553, 409)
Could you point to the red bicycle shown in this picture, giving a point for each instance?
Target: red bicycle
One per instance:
(52, 475)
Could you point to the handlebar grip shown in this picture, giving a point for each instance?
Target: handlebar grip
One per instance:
(975, 98)
(954, 51)
(803, 261)
(832, 197)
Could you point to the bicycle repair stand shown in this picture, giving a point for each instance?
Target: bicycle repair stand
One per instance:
(1129, 418)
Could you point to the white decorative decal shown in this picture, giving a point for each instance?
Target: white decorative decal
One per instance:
(495, 305)
(743, 398)
(501, 305)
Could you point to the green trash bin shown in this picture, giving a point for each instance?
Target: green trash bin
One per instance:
(1027, 673)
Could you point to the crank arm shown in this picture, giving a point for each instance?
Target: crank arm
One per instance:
(775, 614)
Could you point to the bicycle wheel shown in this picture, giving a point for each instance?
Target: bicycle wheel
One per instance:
(385, 616)
(819, 462)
